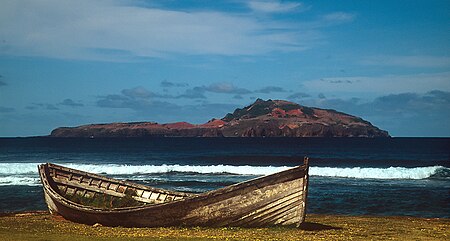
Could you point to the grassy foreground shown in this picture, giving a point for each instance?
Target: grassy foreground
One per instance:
(41, 226)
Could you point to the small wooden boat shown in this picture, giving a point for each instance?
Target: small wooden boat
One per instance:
(274, 200)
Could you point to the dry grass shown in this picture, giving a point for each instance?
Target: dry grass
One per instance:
(41, 226)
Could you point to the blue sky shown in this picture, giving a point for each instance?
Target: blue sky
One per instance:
(68, 63)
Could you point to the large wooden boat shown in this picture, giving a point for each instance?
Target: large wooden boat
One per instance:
(274, 200)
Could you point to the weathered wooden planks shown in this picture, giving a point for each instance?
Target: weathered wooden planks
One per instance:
(277, 199)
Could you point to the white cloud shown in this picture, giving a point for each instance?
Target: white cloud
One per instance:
(275, 6)
(112, 30)
(339, 17)
(381, 84)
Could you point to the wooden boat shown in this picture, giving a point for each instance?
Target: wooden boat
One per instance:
(273, 200)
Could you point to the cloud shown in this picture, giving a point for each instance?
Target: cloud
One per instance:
(412, 61)
(328, 20)
(140, 96)
(138, 92)
(71, 103)
(341, 81)
(378, 85)
(270, 89)
(162, 111)
(115, 101)
(2, 83)
(414, 104)
(145, 104)
(115, 30)
(48, 106)
(51, 107)
(120, 101)
(132, 102)
(143, 93)
(338, 17)
(198, 92)
(6, 109)
(45, 106)
(298, 95)
(396, 105)
(168, 84)
(225, 88)
(137, 98)
(275, 6)
(194, 93)
(402, 114)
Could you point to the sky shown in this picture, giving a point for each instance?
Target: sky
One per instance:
(69, 63)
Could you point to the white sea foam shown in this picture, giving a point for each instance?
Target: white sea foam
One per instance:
(18, 168)
(377, 173)
(17, 180)
(116, 169)
(26, 173)
(121, 169)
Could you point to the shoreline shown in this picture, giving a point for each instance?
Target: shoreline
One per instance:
(40, 225)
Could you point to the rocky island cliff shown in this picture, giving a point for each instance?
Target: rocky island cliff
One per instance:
(271, 118)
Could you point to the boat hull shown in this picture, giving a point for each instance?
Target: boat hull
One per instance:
(275, 200)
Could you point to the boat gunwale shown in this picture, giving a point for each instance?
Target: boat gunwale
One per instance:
(194, 197)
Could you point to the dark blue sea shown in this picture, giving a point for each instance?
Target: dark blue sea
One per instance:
(349, 176)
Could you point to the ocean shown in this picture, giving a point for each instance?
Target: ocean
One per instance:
(348, 176)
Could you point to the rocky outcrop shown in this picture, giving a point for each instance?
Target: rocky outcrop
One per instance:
(271, 118)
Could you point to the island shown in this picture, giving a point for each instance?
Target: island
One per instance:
(263, 118)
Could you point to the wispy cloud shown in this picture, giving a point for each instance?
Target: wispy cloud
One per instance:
(380, 84)
(226, 88)
(71, 103)
(156, 110)
(137, 98)
(6, 109)
(194, 93)
(198, 92)
(270, 89)
(138, 92)
(409, 113)
(169, 84)
(95, 30)
(141, 92)
(42, 106)
(338, 17)
(2, 83)
(270, 6)
(298, 95)
(143, 100)
(412, 61)
(115, 30)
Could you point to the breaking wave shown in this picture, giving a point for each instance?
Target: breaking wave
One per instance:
(26, 173)
(19, 181)
(121, 169)
(437, 172)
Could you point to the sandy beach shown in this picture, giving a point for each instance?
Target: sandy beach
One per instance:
(43, 226)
